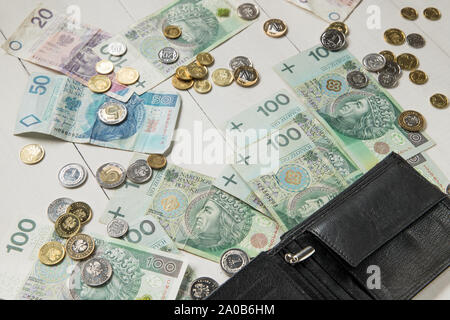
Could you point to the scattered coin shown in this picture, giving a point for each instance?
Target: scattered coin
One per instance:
(409, 13)
(182, 73)
(374, 62)
(182, 84)
(432, 14)
(202, 86)
(394, 36)
(156, 161)
(81, 210)
(387, 80)
(233, 260)
(117, 228)
(333, 39)
(57, 208)
(357, 79)
(51, 253)
(111, 175)
(407, 61)
(388, 55)
(172, 32)
(342, 27)
(32, 154)
(411, 121)
(246, 76)
(439, 101)
(96, 271)
(80, 246)
(248, 11)
(392, 68)
(205, 59)
(203, 287)
(127, 76)
(275, 28)
(112, 112)
(72, 175)
(222, 77)
(99, 83)
(104, 67)
(139, 172)
(168, 55)
(418, 77)
(67, 225)
(240, 61)
(117, 49)
(196, 71)
(415, 40)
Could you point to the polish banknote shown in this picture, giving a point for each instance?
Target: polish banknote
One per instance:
(328, 10)
(52, 40)
(429, 169)
(363, 122)
(202, 30)
(64, 108)
(201, 218)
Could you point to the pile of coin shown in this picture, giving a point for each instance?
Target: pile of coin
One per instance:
(334, 37)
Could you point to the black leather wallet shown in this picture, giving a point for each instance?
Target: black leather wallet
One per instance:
(385, 237)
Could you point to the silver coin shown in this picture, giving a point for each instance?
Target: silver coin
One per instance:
(203, 287)
(239, 61)
(117, 49)
(96, 271)
(111, 175)
(72, 175)
(415, 40)
(58, 207)
(139, 172)
(117, 228)
(357, 79)
(333, 39)
(387, 80)
(112, 112)
(233, 260)
(392, 68)
(248, 11)
(168, 55)
(374, 62)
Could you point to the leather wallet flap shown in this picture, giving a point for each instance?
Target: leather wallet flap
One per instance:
(374, 211)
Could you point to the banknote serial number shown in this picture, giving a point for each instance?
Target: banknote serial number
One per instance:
(226, 309)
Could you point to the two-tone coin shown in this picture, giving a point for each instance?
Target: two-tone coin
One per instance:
(168, 55)
(57, 208)
(205, 59)
(374, 62)
(222, 77)
(387, 80)
(96, 271)
(81, 210)
(357, 79)
(32, 154)
(333, 40)
(432, 13)
(117, 228)
(233, 260)
(202, 288)
(116, 49)
(415, 40)
(395, 36)
(111, 175)
(51, 253)
(439, 101)
(411, 120)
(275, 28)
(104, 67)
(407, 61)
(248, 11)
(67, 225)
(172, 32)
(80, 246)
(418, 77)
(246, 76)
(342, 27)
(202, 86)
(72, 175)
(196, 70)
(156, 161)
(139, 172)
(112, 112)
(182, 84)
(240, 61)
(127, 76)
(99, 83)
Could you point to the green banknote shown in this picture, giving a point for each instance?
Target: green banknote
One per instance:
(363, 122)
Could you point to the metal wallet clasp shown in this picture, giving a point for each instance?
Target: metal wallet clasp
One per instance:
(300, 256)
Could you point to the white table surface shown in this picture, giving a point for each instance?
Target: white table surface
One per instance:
(30, 189)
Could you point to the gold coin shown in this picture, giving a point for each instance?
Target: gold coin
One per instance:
(67, 225)
(246, 76)
(156, 161)
(81, 210)
(411, 121)
(182, 73)
(222, 77)
(275, 28)
(32, 154)
(99, 83)
(202, 86)
(409, 13)
(80, 246)
(196, 71)
(51, 253)
(104, 67)
(432, 14)
(418, 77)
(439, 100)
(172, 32)
(395, 36)
(127, 76)
(205, 59)
(388, 55)
(407, 61)
(342, 27)
(182, 84)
